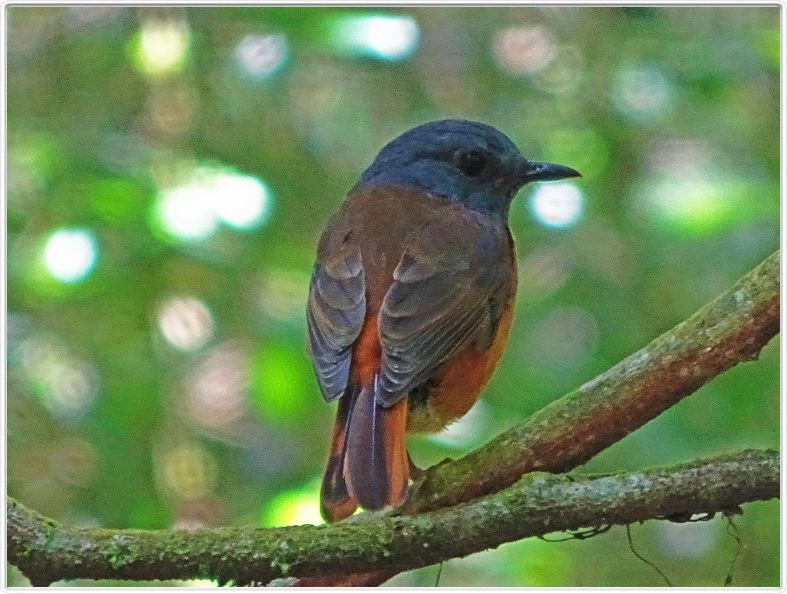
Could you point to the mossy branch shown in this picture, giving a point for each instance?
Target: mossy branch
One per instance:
(731, 329)
(536, 504)
(568, 432)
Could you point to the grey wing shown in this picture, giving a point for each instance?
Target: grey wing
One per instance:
(334, 317)
(431, 312)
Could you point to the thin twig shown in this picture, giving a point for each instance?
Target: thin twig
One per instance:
(643, 559)
(439, 573)
(732, 530)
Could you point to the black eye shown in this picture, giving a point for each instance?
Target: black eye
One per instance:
(472, 163)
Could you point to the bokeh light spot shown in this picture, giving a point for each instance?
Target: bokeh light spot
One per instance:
(186, 213)
(192, 210)
(385, 37)
(217, 388)
(293, 507)
(698, 205)
(565, 73)
(185, 322)
(187, 471)
(642, 93)
(557, 205)
(523, 49)
(70, 254)
(66, 384)
(160, 47)
(262, 56)
(240, 201)
(690, 540)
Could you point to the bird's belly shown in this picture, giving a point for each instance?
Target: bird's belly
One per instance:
(456, 384)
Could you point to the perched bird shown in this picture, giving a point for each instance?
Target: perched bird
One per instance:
(411, 299)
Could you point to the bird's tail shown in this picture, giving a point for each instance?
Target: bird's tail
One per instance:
(336, 503)
(368, 464)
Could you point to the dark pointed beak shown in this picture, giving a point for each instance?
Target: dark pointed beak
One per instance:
(531, 171)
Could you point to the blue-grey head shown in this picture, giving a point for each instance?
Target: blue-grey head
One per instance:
(468, 162)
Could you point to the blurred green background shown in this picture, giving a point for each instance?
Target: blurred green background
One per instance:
(170, 170)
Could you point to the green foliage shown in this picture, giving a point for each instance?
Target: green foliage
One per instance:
(201, 151)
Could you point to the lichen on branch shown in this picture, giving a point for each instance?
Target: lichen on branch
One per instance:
(731, 329)
(481, 500)
(537, 504)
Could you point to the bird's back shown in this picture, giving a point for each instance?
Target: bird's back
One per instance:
(382, 223)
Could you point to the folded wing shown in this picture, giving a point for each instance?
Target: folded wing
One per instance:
(442, 299)
(334, 316)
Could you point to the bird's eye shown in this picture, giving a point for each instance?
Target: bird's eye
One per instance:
(472, 163)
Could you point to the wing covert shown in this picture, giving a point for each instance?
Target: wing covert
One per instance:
(334, 317)
(438, 304)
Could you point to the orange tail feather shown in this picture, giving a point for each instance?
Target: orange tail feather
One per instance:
(336, 503)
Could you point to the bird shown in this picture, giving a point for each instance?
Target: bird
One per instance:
(411, 298)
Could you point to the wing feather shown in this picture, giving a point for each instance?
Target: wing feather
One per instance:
(334, 317)
(438, 304)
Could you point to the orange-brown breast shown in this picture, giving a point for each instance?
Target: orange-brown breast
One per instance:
(459, 381)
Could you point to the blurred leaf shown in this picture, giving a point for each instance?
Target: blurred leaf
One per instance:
(280, 375)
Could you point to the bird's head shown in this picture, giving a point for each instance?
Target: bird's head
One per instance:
(468, 162)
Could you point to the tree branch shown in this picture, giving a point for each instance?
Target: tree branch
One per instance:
(571, 430)
(568, 432)
(536, 504)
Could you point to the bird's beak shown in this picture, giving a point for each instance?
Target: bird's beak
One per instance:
(530, 171)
